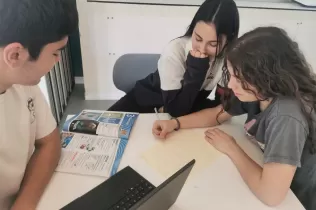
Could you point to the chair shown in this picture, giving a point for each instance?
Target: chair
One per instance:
(130, 68)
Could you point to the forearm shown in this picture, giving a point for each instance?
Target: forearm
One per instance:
(179, 102)
(39, 170)
(252, 173)
(204, 118)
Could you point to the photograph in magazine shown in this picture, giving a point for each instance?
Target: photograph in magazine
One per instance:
(112, 124)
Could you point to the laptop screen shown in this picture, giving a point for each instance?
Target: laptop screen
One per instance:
(165, 195)
(307, 3)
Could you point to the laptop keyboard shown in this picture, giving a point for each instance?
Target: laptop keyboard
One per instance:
(133, 195)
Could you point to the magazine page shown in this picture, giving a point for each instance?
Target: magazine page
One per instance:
(127, 124)
(105, 123)
(90, 154)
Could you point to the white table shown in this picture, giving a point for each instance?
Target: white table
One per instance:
(218, 187)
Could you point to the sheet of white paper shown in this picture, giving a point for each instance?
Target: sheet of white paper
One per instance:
(168, 156)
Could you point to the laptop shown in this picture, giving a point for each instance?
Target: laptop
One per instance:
(128, 190)
(307, 3)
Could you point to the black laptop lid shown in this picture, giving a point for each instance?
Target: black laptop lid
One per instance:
(165, 195)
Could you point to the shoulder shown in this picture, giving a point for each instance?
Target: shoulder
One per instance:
(288, 110)
(176, 48)
(171, 65)
(286, 132)
(284, 106)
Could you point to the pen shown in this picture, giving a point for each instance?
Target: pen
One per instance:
(157, 114)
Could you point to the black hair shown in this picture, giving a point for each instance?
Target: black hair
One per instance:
(223, 14)
(271, 62)
(36, 23)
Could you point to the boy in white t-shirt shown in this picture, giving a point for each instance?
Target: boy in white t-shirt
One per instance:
(32, 33)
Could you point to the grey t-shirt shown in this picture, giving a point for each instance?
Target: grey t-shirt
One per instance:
(282, 132)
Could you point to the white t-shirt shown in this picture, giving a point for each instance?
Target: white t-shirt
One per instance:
(24, 117)
(172, 66)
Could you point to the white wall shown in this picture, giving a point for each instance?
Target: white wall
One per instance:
(111, 30)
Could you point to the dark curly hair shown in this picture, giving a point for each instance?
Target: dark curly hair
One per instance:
(267, 59)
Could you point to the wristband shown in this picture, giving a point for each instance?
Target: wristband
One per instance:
(178, 123)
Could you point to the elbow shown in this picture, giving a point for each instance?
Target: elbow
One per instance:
(273, 200)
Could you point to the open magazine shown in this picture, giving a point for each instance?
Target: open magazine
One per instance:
(93, 142)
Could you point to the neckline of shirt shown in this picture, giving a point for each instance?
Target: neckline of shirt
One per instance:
(2, 96)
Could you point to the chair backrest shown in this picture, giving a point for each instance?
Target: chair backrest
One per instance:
(130, 68)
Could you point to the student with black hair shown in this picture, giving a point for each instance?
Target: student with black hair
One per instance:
(272, 83)
(32, 34)
(190, 67)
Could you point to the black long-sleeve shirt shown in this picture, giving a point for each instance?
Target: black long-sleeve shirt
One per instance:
(181, 81)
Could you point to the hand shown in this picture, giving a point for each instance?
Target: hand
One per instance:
(198, 54)
(221, 140)
(162, 128)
